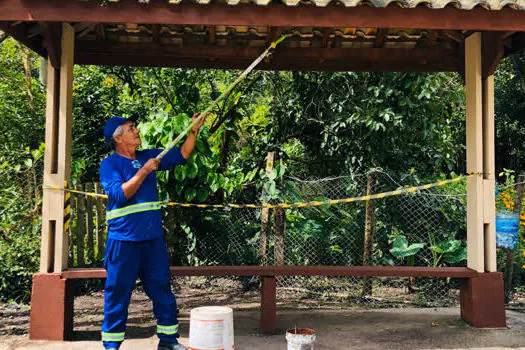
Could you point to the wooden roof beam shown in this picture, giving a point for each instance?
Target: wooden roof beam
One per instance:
(85, 31)
(517, 44)
(306, 59)
(326, 38)
(155, 33)
(457, 36)
(100, 31)
(428, 39)
(161, 12)
(380, 37)
(492, 52)
(53, 42)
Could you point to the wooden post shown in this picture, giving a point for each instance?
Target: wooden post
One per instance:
(509, 266)
(482, 297)
(474, 121)
(50, 173)
(265, 213)
(81, 226)
(52, 296)
(57, 157)
(489, 176)
(64, 132)
(369, 233)
(90, 242)
(268, 305)
(279, 227)
(278, 234)
(99, 221)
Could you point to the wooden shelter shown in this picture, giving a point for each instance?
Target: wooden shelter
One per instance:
(465, 36)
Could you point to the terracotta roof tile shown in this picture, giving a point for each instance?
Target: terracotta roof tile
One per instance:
(461, 4)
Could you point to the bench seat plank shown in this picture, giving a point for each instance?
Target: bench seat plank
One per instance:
(377, 271)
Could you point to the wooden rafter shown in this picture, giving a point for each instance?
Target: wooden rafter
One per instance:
(457, 36)
(86, 31)
(326, 37)
(517, 44)
(428, 40)
(52, 42)
(20, 33)
(380, 37)
(155, 33)
(492, 52)
(101, 33)
(211, 35)
(161, 12)
(274, 34)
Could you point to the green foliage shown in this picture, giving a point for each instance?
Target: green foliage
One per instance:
(509, 81)
(449, 251)
(361, 120)
(21, 151)
(19, 260)
(401, 249)
(318, 124)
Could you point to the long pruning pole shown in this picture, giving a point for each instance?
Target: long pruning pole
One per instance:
(241, 77)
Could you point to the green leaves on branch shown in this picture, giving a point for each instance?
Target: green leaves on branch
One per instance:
(401, 249)
(448, 251)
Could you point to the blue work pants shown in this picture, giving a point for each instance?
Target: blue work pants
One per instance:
(124, 262)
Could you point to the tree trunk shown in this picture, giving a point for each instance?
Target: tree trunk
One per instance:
(369, 233)
(265, 213)
(80, 227)
(89, 224)
(278, 234)
(71, 256)
(27, 69)
(99, 221)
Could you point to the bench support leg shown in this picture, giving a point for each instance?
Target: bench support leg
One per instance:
(482, 300)
(51, 307)
(268, 306)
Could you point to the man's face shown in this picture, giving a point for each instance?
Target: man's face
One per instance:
(130, 135)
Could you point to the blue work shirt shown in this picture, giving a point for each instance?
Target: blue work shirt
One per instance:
(138, 218)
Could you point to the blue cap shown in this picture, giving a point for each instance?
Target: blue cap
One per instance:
(113, 123)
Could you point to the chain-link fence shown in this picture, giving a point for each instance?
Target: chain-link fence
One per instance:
(421, 228)
(407, 229)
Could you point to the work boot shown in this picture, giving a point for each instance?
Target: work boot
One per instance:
(171, 346)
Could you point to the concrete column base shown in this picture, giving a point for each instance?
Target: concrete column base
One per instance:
(482, 300)
(51, 307)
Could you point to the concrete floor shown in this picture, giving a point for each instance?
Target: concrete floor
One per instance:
(370, 329)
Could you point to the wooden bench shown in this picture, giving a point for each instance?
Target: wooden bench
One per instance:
(268, 275)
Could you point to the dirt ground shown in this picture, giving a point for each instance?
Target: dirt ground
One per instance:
(337, 327)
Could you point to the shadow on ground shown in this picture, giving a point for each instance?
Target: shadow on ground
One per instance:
(436, 328)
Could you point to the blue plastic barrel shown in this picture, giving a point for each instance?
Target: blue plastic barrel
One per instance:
(507, 228)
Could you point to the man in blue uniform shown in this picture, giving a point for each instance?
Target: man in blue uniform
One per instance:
(135, 245)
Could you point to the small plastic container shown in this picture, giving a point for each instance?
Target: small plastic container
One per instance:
(300, 339)
(507, 228)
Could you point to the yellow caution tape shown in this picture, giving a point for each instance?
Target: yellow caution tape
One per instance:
(67, 209)
(287, 205)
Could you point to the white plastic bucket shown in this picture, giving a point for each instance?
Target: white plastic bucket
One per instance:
(300, 338)
(211, 328)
